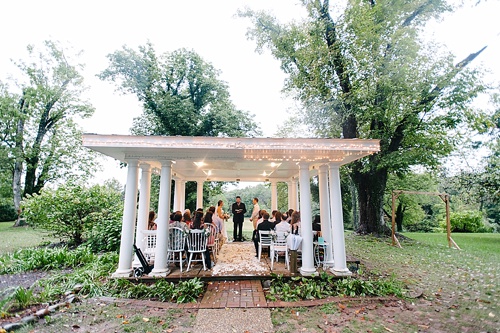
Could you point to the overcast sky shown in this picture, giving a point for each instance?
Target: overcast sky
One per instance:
(208, 27)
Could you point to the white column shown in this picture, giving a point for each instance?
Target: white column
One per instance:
(128, 224)
(199, 194)
(274, 196)
(183, 195)
(160, 266)
(144, 201)
(295, 195)
(177, 195)
(339, 257)
(324, 209)
(307, 268)
(290, 193)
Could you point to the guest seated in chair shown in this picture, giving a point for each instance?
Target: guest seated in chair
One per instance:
(265, 225)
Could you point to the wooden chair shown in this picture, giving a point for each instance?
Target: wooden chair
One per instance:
(197, 244)
(176, 245)
(213, 241)
(265, 240)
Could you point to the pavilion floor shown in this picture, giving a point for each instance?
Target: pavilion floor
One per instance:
(235, 261)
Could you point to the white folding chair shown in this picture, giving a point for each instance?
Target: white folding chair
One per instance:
(265, 240)
(279, 245)
(197, 243)
(149, 245)
(176, 244)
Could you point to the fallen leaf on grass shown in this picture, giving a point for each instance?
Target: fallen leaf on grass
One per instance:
(120, 316)
(125, 322)
(145, 319)
(424, 326)
(388, 329)
(75, 327)
(491, 315)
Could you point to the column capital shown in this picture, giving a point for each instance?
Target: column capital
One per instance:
(132, 162)
(304, 165)
(145, 167)
(323, 168)
(333, 166)
(165, 163)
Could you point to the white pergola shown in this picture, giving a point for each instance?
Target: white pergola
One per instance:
(200, 159)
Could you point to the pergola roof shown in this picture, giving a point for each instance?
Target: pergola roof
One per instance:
(231, 159)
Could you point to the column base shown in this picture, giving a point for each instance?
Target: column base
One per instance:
(344, 272)
(328, 264)
(121, 273)
(308, 271)
(160, 272)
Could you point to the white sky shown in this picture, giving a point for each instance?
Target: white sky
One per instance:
(208, 27)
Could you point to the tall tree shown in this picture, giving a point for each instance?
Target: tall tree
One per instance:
(367, 68)
(38, 135)
(181, 94)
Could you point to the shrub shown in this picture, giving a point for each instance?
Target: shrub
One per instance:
(44, 259)
(7, 212)
(106, 234)
(73, 210)
(467, 221)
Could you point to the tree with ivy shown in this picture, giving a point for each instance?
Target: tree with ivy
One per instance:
(365, 71)
(39, 140)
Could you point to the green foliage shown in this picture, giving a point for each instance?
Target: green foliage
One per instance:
(72, 211)
(364, 71)
(181, 94)
(327, 285)
(40, 140)
(467, 221)
(30, 259)
(23, 297)
(7, 212)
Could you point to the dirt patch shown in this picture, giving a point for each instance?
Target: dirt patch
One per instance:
(94, 315)
(8, 282)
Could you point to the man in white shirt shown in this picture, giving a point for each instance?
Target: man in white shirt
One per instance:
(255, 213)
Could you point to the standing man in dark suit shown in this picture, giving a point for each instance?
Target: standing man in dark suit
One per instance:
(238, 208)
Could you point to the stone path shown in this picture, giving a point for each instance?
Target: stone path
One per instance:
(233, 321)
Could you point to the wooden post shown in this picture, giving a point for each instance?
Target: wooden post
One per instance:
(451, 242)
(395, 241)
(393, 218)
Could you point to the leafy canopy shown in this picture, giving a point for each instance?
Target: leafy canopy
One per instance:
(364, 71)
(181, 94)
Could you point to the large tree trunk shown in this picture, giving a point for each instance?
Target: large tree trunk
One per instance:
(371, 186)
(399, 217)
(19, 158)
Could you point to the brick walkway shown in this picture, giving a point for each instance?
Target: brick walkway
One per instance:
(234, 294)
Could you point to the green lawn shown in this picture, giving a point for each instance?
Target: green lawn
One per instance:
(488, 244)
(12, 238)
(457, 291)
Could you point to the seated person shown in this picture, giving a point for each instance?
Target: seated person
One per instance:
(186, 218)
(216, 219)
(273, 216)
(264, 225)
(177, 221)
(295, 223)
(197, 222)
(316, 227)
(151, 220)
(283, 226)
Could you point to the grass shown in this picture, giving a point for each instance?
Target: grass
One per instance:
(457, 291)
(12, 239)
(487, 244)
